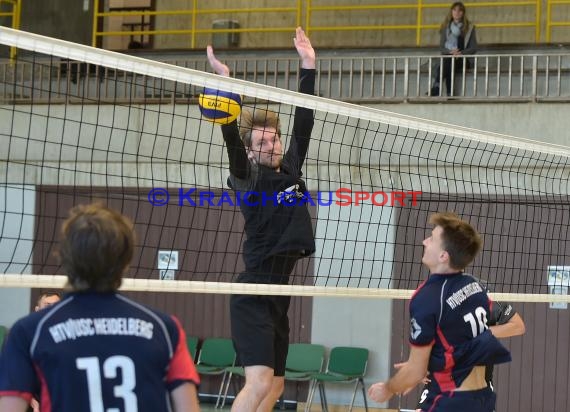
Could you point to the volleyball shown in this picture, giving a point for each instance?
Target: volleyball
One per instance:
(218, 106)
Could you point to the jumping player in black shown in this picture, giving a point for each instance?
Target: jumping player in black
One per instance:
(278, 229)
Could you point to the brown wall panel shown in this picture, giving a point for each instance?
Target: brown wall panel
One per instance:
(209, 243)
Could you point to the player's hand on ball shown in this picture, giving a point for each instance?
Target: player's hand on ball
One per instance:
(216, 65)
(379, 392)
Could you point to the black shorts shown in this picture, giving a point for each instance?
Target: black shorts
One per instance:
(260, 330)
(260, 325)
(482, 400)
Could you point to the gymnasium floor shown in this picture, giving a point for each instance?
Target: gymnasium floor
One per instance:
(207, 406)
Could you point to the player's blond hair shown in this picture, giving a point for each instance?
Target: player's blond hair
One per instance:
(261, 118)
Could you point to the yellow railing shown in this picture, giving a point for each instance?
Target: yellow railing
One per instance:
(419, 8)
(412, 22)
(550, 23)
(194, 14)
(14, 15)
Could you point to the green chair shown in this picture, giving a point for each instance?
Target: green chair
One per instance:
(346, 365)
(231, 371)
(3, 334)
(303, 360)
(216, 355)
(192, 343)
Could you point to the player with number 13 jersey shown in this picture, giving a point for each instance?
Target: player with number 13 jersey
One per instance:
(97, 349)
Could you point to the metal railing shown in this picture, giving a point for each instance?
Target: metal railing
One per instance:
(554, 9)
(491, 78)
(199, 10)
(422, 18)
(420, 13)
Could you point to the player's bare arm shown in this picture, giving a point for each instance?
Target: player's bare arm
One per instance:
(514, 327)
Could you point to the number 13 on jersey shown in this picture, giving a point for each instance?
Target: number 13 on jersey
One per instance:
(111, 365)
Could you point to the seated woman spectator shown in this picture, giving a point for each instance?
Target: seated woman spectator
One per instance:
(457, 38)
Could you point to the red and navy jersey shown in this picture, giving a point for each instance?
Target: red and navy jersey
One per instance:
(96, 352)
(501, 313)
(449, 311)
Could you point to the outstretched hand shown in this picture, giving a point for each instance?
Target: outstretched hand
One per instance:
(305, 50)
(219, 67)
(425, 380)
(379, 392)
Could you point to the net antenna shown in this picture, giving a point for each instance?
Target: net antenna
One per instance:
(82, 124)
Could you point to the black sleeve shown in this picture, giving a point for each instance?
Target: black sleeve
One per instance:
(302, 125)
(239, 163)
(501, 313)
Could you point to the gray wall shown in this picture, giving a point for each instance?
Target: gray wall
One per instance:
(362, 323)
(17, 209)
(70, 20)
(545, 122)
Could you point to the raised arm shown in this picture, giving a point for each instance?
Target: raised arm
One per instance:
(239, 164)
(305, 49)
(304, 118)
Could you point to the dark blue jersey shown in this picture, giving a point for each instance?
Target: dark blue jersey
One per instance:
(96, 352)
(501, 313)
(449, 311)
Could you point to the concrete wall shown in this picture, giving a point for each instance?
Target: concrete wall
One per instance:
(153, 136)
(543, 122)
(17, 209)
(62, 19)
(362, 323)
(369, 25)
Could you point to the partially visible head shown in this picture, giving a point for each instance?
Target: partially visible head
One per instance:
(453, 245)
(457, 11)
(46, 299)
(260, 131)
(96, 247)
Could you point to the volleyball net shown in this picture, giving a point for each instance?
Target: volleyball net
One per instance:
(80, 124)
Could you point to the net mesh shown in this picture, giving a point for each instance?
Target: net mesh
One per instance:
(80, 124)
